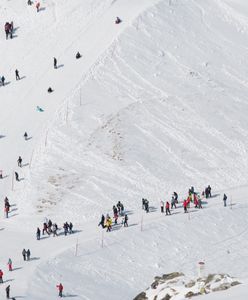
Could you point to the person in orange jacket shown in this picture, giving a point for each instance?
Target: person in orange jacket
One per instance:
(60, 288)
(167, 208)
(1, 276)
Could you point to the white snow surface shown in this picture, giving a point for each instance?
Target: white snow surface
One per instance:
(156, 104)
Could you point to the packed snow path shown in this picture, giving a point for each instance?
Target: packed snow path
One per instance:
(164, 107)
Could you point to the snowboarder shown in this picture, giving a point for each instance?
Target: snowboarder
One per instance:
(1, 276)
(102, 222)
(17, 176)
(78, 55)
(24, 253)
(49, 90)
(125, 220)
(224, 199)
(162, 206)
(28, 254)
(17, 75)
(55, 63)
(7, 291)
(3, 80)
(60, 288)
(118, 20)
(167, 208)
(25, 136)
(70, 228)
(38, 234)
(19, 161)
(9, 263)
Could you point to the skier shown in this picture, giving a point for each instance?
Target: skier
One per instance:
(70, 228)
(143, 203)
(3, 80)
(1, 174)
(125, 220)
(167, 208)
(45, 227)
(24, 253)
(224, 199)
(17, 74)
(162, 206)
(1, 276)
(7, 291)
(25, 136)
(9, 263)
(78, 55)
(49, 90)
(102, 222)
(6, 28)
(29, 2)
(122, 209)
(55, 63)
(118, 20)
(37, 6)
(17, 176)
(38, 234)
(209, 191)
(109, 224)
(28, 254)
(196, 202)
(19, 161)
(185, 204)
(60, 288)
(11, 29)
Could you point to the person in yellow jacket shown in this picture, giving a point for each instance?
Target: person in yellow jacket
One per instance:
(109, 224)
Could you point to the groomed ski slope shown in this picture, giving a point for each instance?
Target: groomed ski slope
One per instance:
(156, 104)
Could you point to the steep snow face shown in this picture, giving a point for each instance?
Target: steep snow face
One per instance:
(162, 109)
(157, 108)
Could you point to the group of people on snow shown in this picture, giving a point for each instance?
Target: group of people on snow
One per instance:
(9, 29)
(52, 228)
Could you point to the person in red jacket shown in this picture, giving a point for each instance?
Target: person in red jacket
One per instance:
(195, 201)
(60, 288)
(167, 208)
(185, 204)
(1, 276)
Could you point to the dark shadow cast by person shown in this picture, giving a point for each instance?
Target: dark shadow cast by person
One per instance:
(128, 212)
(17, 268)
(13, 205)
(75, 231)
(14, 215)
(22, 77)
(15, 29)
(116, 227)
(2, 136)
(21, 179)
(17, 297)
(29, 138)
(25, 165)
(69, 295)
(130, 225)
(2, 229)
(175, 212)
(43, 237)
(34, 258)
(152, 209)
(14, 209)
(8, 280)
(60, 66)
(204, 202)
(5, 83)
(214, 195)
(42, 9)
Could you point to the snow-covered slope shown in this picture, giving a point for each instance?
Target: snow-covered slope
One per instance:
(156, 104)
